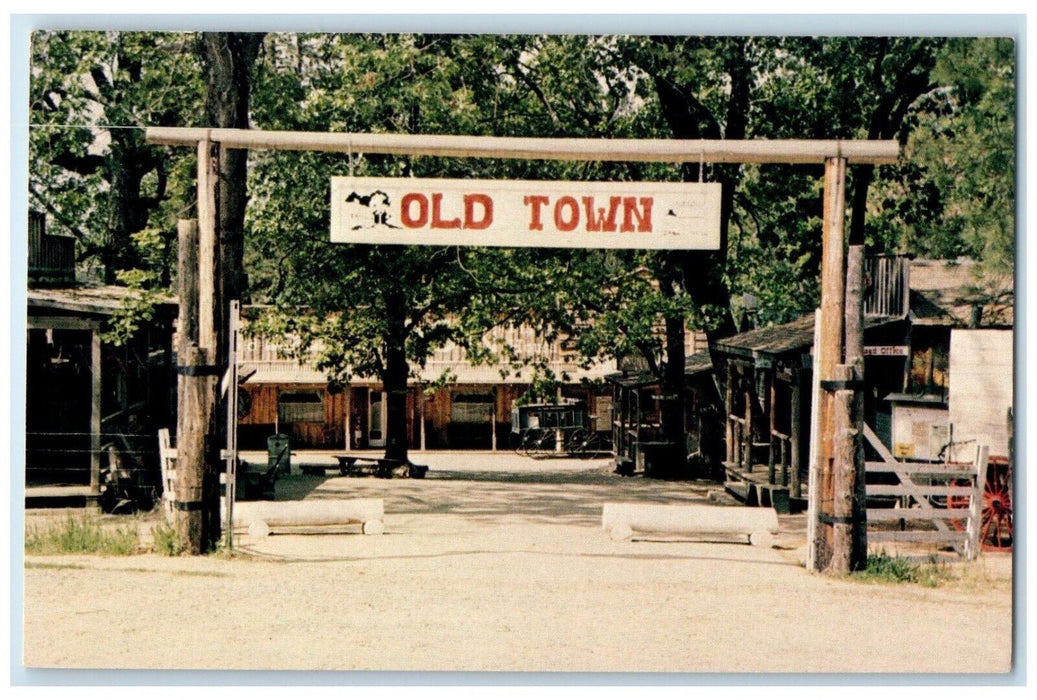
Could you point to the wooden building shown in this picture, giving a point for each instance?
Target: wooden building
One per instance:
(88, 402)
(636, 432)
(765, 374)
(946, 297)
(471, 411)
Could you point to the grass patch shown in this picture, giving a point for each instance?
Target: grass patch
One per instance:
(166, 541)
(883, 568)
(82, 535)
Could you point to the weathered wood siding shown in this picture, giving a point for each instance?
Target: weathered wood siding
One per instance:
(441, 430)
(981, 382)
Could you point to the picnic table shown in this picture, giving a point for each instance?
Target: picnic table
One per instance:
(368, 465)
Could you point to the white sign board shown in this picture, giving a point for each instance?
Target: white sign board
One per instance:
(525, 213)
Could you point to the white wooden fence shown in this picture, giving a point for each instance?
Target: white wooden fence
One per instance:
(943, 503)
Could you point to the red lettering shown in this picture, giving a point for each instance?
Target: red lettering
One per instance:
(470, 222)
(630, 212)
(437, 220)
(567, 224)
(597, 220)
(536, 201)
(405, 210)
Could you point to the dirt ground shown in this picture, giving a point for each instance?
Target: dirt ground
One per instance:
(499, 563)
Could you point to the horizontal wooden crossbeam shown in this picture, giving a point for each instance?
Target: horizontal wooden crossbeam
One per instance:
(647, 150)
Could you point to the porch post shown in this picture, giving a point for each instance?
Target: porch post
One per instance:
(493, 421)
(95, 412)
(794, 434)
(421, 416)
(729, 430)
(349, 417)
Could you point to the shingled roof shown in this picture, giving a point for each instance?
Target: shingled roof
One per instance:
(693, 364)
(951, 293)
(772, 340)
(95, 300)
(795, 336)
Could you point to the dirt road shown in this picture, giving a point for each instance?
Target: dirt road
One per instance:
(499, 564)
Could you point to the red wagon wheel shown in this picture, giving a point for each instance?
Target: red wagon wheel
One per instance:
(996, 532)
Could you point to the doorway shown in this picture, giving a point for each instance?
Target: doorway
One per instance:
(377, 419)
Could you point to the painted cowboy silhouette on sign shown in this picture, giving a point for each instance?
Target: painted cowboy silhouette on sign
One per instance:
(368, 211)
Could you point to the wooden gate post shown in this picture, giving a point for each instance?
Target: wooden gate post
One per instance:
(197, 503)
(212, 329)
(829, 354)
(854, 355)
(192, 409)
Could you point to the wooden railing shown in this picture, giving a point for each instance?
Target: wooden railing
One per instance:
(780, 458)
(52, 259)
(889, 287)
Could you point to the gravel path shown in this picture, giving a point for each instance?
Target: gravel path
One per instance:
(498, 563)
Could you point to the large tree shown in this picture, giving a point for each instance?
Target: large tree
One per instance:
(91, 95)
(366, 311)
(963, 142)
(379, 311)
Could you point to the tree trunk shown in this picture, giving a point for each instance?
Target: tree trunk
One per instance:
(394, 379)
(127, 212)
(228, 58)
(700, 272)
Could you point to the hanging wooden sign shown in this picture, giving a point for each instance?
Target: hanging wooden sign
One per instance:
(886, 351)
(526, 213)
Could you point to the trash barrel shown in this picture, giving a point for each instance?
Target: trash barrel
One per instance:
(278, 454)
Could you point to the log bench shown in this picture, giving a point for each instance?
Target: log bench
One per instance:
(758, 525)
(262, 517)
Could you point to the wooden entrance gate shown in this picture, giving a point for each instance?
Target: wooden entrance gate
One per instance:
(933, 503)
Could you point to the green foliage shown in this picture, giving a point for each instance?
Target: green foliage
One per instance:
(91, 94)
(82, 535)
(418, 84)
(883, 568)
(138, 306)
(166, 540)
(951, 102)
(967, 145)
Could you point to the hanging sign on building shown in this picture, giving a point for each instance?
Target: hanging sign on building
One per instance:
(886, 351)
(525, 213)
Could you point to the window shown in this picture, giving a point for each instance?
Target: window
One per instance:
(300, 407)
(471, 408)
